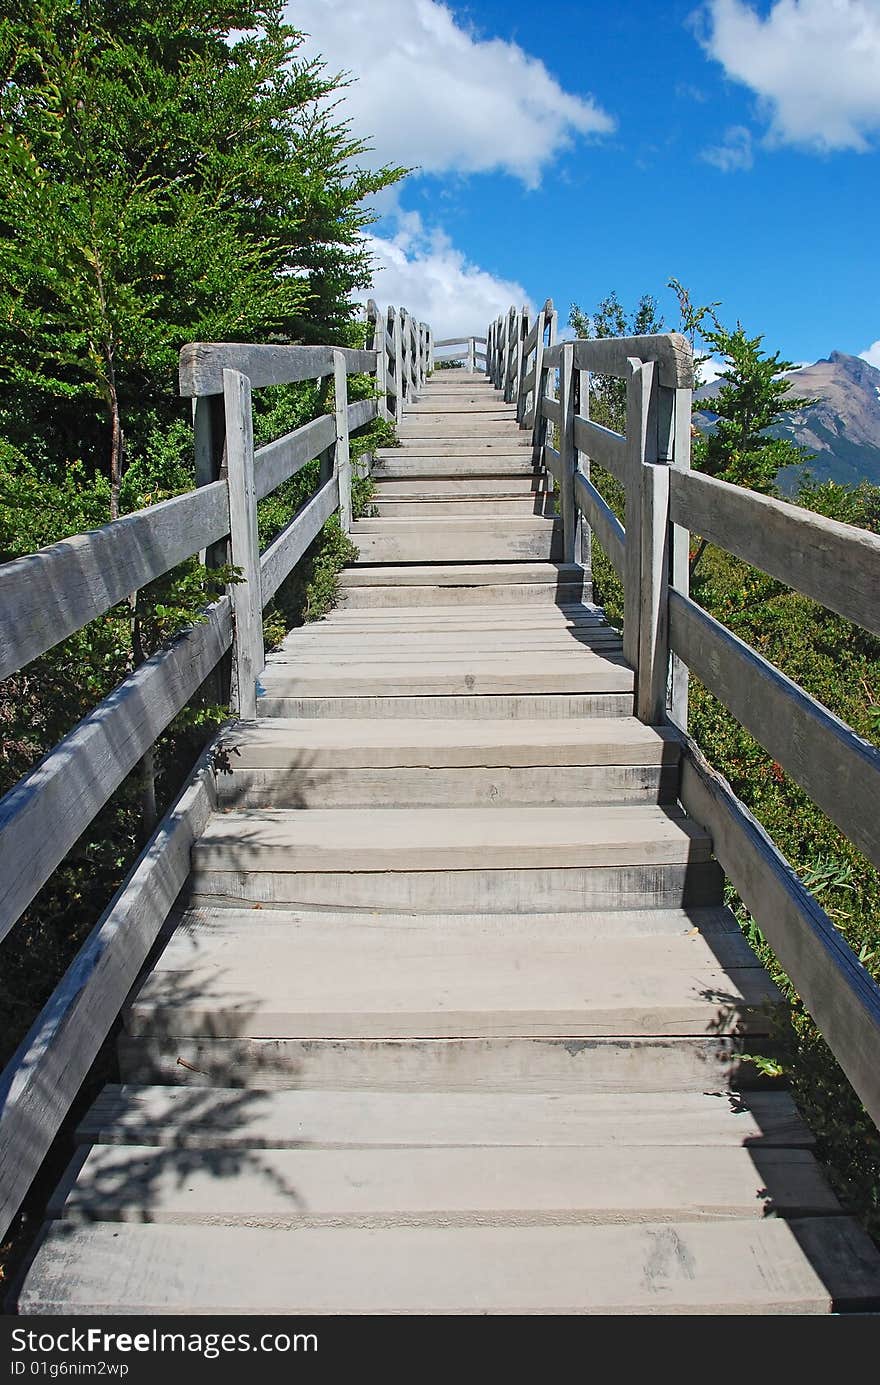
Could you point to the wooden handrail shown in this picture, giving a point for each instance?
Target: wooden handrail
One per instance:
(47, 596)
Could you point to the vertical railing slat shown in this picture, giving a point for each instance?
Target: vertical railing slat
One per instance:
(248, 657)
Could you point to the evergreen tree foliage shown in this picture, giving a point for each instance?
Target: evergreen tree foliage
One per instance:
(169, 172)
(608, 394)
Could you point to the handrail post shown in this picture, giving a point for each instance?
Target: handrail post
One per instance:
(584, 549)
(430, 350)
(381, 357)
(639, 388)
(680, 460)
(248, 655)
(653, 661)
(471, 355)
(342, 454)
(568, 456)
(510, 356)
(209, 441)
(396, 337)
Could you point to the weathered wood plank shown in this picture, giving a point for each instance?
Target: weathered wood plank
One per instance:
(639, 390)
(552, 356)
(362, 413)
(836, 564)
(342, 454)
(44, 814)
(46, 596)
(833, 984)
(202, 364)
(603, 446)
(248, 655)
(608, 356)
(282, 555)
(552, 462)
(602, 520)
(278, 461)
(654, 613)
(839, 770)
(819, 1264)
(551, 409)
(43, 1077)
(226, 1118)
(510, 1185)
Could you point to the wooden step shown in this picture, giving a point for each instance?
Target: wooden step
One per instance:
(498, 1186)
(422, 763)
(338, 644)
(561, 1066)
(741, 1266)
(577, 671)
(454, 840)
(460, 539)
(233, 973)
(466, 402)
(230, 1118)
(457, 459)
(459, 487)
(486, 507)
(285, 744)
(467, 707)
(464, 860)
(458, 575)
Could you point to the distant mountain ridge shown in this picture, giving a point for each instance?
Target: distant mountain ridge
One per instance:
(842, 429)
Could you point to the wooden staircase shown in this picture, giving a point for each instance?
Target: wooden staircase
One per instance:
(448, 1019)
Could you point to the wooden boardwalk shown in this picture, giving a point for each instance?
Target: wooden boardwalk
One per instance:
(447, 1018)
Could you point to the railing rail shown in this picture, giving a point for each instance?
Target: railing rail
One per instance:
(47, 596)
(666, 633)
(466, 350)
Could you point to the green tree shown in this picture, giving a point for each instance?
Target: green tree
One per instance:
(160, 183)
(753, 397)
(610, 319)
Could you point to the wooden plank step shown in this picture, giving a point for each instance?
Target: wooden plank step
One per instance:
(563, 1066)
(486, 507)
(416, 596)
(505, 705)
(364, 621)
(462, 402)
(231, 1118)
(745, 1266)
(257, 974)
(537, 786)
(407, 646)
(283, 763)
(459, 425)
(281, 743)
(498, 1186)
(440, 487)
(463, 575)
(579, 672)
(485, 649)
(458, 460)
(411, 540)
(454, 839)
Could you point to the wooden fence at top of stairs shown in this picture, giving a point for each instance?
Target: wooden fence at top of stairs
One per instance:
(430, 999)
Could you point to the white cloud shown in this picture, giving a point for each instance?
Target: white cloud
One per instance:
(871, 354)
(425, 273)
(710, 370)
(734, 154)
(430, 93)
(814, 64)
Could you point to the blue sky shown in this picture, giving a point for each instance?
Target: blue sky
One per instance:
(571, 149)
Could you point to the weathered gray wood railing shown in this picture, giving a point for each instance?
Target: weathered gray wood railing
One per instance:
(466, 350)
(666, 633)
(48, 595)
